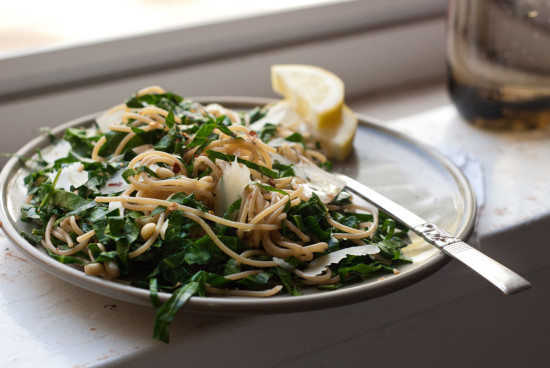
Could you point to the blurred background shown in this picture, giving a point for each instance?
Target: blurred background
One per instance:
(31, 25)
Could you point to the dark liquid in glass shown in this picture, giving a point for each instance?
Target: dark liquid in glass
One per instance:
(489, 108)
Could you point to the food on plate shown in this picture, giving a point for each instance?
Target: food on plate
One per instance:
(174, 196)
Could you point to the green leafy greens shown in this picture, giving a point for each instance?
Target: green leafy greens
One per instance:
(100, 225)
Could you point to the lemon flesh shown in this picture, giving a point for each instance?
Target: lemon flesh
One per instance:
(315, 93)
(337, 140)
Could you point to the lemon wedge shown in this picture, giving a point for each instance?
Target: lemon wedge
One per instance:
(315, 93)
(337, 140)
(317, 96)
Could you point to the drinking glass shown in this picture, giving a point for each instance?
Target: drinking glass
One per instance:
(498, 62)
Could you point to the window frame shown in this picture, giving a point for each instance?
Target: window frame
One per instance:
(48, 68)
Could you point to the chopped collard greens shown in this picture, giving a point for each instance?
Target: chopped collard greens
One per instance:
(200, 200)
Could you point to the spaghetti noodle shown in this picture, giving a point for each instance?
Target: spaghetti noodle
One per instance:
(178, 195)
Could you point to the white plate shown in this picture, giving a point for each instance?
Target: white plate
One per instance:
(404, 170)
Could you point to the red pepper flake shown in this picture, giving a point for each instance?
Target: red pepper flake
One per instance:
(176, 168)
(252, 133)
(118, 184)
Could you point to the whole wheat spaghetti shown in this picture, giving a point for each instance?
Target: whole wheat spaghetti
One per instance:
(171, 195)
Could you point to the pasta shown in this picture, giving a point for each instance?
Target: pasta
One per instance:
(171, 195)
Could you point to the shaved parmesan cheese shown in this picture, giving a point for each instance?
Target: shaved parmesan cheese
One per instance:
(114, 205)
(325, 185)
(73, 174)
(320, 182)
(91, 131)
(283, 264)
(319, 265)
(280, 112)
(61, 149)
(108, 119)
(234, 179)
(115, 184)
(82, 158)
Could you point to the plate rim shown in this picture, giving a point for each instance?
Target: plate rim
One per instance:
(237, 305)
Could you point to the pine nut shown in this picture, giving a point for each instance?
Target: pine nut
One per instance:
(148, 230)
(94, 269)
(111, 268)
